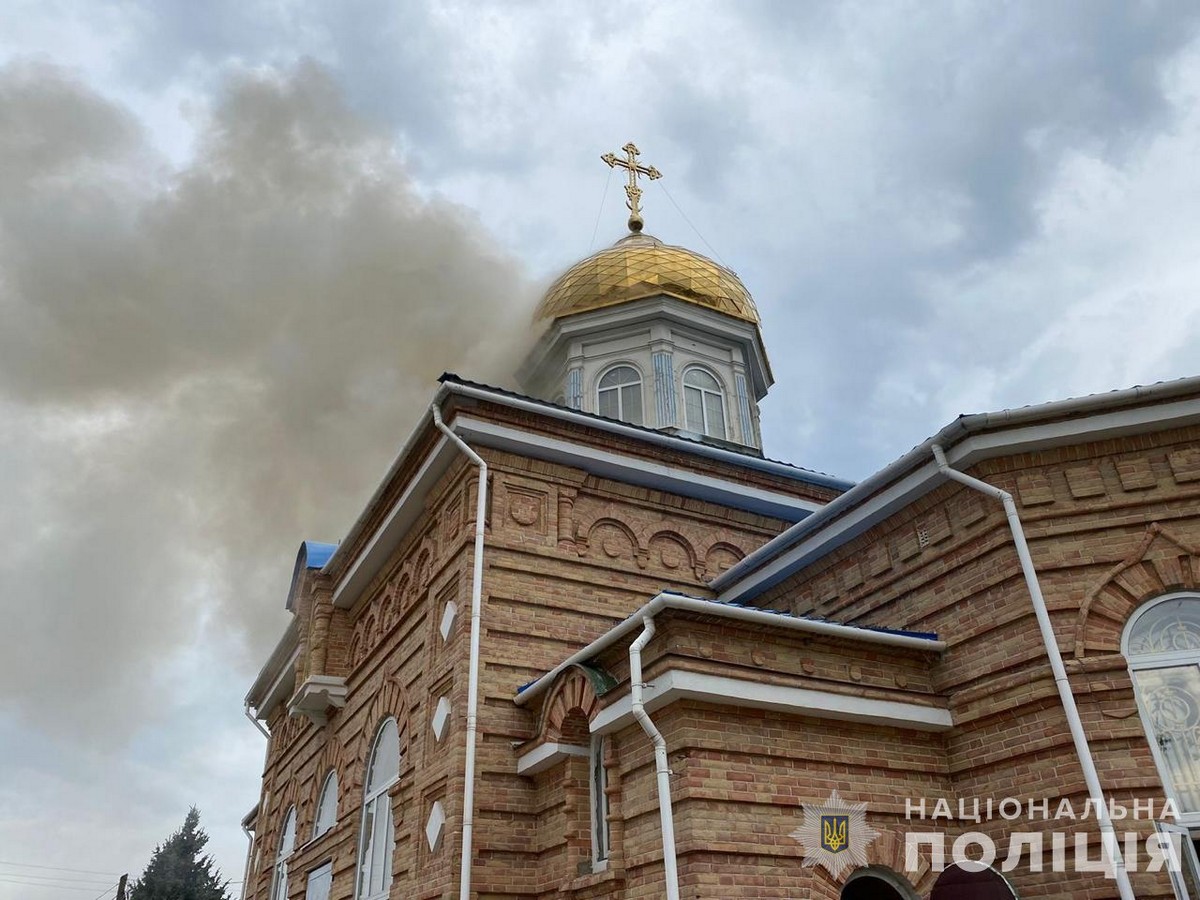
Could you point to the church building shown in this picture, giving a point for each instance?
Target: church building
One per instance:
(587, 640)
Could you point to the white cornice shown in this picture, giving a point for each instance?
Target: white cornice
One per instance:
(543, 756)
(362, 568)
(635, 470)
(281, 688)
(639, 312)
(674, 685)
(647, 436)
(400, 517)
(749, 615)
(283, 653)
(967, 441)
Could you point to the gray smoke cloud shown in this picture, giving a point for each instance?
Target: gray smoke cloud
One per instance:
(204, 366)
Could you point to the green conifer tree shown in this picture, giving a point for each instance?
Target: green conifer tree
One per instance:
(177, 871)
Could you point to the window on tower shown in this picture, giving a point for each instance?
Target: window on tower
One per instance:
(619, 394)
(704, 403)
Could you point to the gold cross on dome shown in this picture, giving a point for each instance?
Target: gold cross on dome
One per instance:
(632, 191)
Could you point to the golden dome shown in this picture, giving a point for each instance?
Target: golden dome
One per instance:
(638, 266)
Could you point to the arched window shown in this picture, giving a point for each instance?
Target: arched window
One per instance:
(1162, 645)
(967, 881)
(287, 843)
(377, 836)
(619, 394)
(703, 403)
(327, 805)
(598, 789)
(877, 883)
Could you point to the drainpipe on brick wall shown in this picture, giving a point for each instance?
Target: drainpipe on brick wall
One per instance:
(249, 859)
(254, 721)
(662, 771)
(1082, 750)
(464, 882)
(266, 755)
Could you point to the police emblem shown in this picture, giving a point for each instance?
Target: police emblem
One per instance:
(835, 834)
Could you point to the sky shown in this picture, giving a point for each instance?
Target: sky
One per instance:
(239, 241)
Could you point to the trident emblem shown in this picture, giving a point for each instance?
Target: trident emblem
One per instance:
(835, 833)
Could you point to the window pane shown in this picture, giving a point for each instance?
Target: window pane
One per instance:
(1170, 698)
(716, 415)
(1182, 862)
(287, 840)
(693, 403)
(385, 761)
(1168, 627)
(368, 840)
(620, 375)
(608, 404)
(701, 379)
(319, 882)
(327, 808)
(281, 885)
(599, 801)
(631, 403)
(390, 843)
(380, 849)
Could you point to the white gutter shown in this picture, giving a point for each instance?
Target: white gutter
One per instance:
(659, 439)
(638, 470)
(743, 578)
(266, 683)
(739, 613)
(1082, 750)
(661, 767)
(464, 884)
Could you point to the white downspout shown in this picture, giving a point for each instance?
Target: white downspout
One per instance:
(1086, 762)
(468, 825)
(254, 721)
(249, 859)
(660, 757)
(250, 853)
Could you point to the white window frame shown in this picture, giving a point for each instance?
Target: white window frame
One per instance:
(331, 781)
(598, 807)
(704, 393)
(1160, 661)
(287, 845)
(640, 384)
(318, 878)
(372, 802)
(1182, 857)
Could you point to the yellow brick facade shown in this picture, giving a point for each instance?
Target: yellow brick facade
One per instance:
(569, 555)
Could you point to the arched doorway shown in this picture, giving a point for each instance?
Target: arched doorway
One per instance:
(981, 883)
(876, 883)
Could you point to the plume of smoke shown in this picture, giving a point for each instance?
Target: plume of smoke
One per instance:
(203, 367)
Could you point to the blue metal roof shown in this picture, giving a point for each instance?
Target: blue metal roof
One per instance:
(316, 554)
(312, 555)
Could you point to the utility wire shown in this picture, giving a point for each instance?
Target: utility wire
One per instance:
(106, 893)
(59, 869)
(600, 211)
(704, 240)
(57, 887)
(94, 882)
